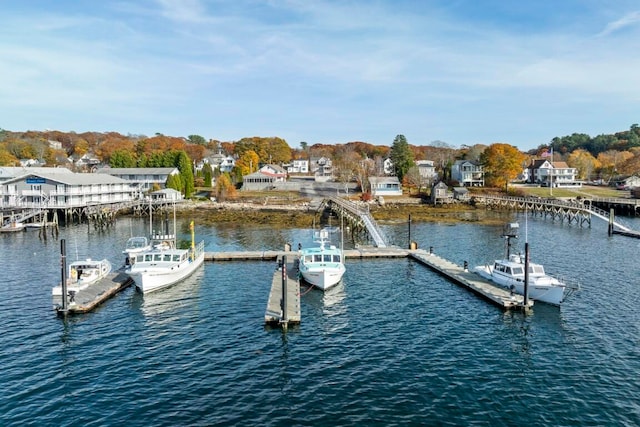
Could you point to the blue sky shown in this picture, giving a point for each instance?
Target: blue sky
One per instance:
(323, 71)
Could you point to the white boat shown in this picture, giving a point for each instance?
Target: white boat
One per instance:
(510, 273)
(12, 226)
(135, 245)
(82, 274)
(322, 266)
(164, 264)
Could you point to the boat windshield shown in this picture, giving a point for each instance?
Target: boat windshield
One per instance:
(536, 269)
(336, 258)
(517, 271)
(137, 243)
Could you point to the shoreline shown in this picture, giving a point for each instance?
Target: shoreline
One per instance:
(303, 213)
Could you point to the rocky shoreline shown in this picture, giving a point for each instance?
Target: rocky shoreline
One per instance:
(302, 213)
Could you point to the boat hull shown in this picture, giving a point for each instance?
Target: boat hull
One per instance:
(323, 279)
(539, 290)
(152, 279)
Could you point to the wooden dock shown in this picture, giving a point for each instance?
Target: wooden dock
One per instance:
(489, 291)
(363, 252)
(275, 315)
(97, 293)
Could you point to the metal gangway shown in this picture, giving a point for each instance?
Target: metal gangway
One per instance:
(377, 235)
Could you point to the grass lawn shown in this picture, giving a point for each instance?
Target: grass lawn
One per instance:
(587, 190)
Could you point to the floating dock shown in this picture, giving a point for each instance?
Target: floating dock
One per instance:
(277, 314)
(87, 299)
(489, 291)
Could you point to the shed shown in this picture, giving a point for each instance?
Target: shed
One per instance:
(440, 193)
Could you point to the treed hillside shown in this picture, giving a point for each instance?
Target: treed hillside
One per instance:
(607, 154)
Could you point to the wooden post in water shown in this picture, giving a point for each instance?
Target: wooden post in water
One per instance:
(285, 319)
(526, 275)
(611, 219)
(409, 231)
(63, 267)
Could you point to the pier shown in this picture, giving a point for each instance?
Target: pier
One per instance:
(579, 211)
(471, 281)
(87, 299)
(283, 307)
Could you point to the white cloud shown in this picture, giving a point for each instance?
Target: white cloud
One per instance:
(629, 19)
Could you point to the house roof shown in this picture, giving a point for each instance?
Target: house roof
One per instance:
(7, 172)
(136, 171)
(384, 180)
(74, 178)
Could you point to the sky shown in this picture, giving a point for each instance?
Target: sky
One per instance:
(462, 72)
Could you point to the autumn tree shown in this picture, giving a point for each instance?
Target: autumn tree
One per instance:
(584, 163)
(224, 188)
(502, 163)
(401, 156)
(8, 159)
(248, 162)
(610, 160)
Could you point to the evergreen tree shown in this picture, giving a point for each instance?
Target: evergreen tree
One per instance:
(207, 173)
(186, 173)
(401, 156)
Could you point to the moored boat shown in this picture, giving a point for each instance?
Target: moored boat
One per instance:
(164, 264)
(82, 274)
(134, 246)
(509, 273)
(322, 266)
(12, 226)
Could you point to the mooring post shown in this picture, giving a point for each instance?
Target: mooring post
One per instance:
(63, 267)
(409, 231)
(611, 219)
(285, 318)
(526, 275)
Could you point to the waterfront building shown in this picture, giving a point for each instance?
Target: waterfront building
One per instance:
(144, 179)
(64, 190)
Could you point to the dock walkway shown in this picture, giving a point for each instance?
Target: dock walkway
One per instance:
(495, 294)
(88, 299)
(275, 315)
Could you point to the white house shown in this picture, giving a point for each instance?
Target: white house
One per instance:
(426, 169)
(221, 162)
(385, 186)
(321, 166)
(467, 173)
(387, 166)
(298, 166)
(557, 174)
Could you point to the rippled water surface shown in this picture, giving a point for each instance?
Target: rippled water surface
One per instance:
(394, 344)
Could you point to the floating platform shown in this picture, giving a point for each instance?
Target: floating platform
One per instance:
(363, 252)
(480, 286)
(87, 299)
(275, 315)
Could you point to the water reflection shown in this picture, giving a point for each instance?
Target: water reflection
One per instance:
(165, 305)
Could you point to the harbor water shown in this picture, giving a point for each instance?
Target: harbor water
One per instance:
(394, 344)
